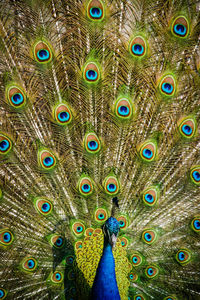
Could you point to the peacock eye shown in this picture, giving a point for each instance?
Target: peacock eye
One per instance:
(187, 127)
(62, 114)
(95, 10)
(149, 236)
(57, 277)
(29, 264)
(139, 297)
(122, 222)
(180, 27)
(3, 293)
(85, 186)
(100, 215)
(183, 256)
(78, 228)
(167, 85)
(43, 206)
(47, 159)
(92, 143)
(148, 151)
(150, 196)
(151, 271)
(111, 185)
(123, 109)
(138, 47)
(195, 175)
(136, 259)
(91, 72)
(5, 144)
(124, 242)
(69, 260)
(42, 52)
(16, 97)
(89, 231)
(133, 277)
(6, 237)
(196, 224)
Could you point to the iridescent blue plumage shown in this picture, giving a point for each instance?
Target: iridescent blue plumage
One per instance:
(105, 284)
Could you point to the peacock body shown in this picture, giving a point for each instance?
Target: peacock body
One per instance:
(99, 149)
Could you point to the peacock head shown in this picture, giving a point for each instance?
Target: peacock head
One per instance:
(111, 229)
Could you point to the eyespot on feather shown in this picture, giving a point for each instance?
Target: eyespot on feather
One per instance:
(85, 186)
(42, 52)
(3, 293)
(111, 185)
(139, 297)
(195, 224)
(101, 215)
(124, 241)
(29, 264)
(92, 143)
(57, 241)
(195, 175)
(6, 237)
(91, 73)
(187, 127)
(62, 114)
(43, 206)
(183, 256)
(133, 277)
(16, 97)
(57, 277)
(123, 109)
(180, 27)
(5, 144)
(46, 160)
(150, 196)
(167, 86)
(151, 271)
(149, 236)
(148, 151)
(122, 222)
(95, 10)
(136, 259)
(78, 228)
(138, 47)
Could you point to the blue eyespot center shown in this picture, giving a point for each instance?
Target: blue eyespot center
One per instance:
(196, 175)
(138, 298)
(180, 29)
(48, 161)
(63, 116)
(150, 271)
(59, 241)
(4, 145)
(135, 259)
(79, 229)
(149, 198)
(167, 88)
(31, 263)
(96, 12)
(58, 276)
(131, 276)
(91, 75)
(187, 129)
(101, 216)
(7, 237)
(148, 237)
(197, 224)
(181, 256)
(43, 54)
(138, 49)
(2, 293)
(93, 145)
(147, 153)
(17, 98)
(86, 188)
(46, 207)
(122, 243)
(111, 187)
(121, 223)
(123, 110)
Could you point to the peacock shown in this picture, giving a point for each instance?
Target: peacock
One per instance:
(100, 149)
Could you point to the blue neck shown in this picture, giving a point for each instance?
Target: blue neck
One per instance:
(105, 284)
